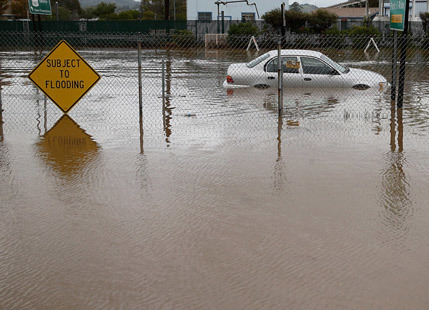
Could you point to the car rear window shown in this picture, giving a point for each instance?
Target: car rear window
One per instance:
(258, 60)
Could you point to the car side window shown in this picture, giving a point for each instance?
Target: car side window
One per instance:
(290, 65)
(315, 66)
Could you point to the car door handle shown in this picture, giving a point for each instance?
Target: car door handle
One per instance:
(271, 78)
(307, 79)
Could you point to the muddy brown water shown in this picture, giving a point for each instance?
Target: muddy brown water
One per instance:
(221, 205)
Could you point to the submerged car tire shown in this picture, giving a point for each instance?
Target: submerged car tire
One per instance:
(262, 86)
(361, 86)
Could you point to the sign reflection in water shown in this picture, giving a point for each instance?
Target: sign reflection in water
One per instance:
(67, 147)
(397, 206)
(1, 117)
(167, 107)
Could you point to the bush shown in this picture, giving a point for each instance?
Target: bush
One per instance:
(243, 29)
(424, 16)
(148, 15)
(239, 34)
(361, 34)
(363, 31)
(333, 32)
(317, 21)
(321, 20)
(273, 18)
(184, 38)
(294, 20)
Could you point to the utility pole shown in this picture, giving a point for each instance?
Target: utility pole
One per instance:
(167, 10)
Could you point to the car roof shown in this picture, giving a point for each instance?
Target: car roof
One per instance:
(296, 52)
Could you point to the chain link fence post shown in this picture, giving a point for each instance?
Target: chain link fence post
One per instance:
(163, 91)
(394, 66)
(1, 116)
(139, 47)
(280, 76)
(403, 57)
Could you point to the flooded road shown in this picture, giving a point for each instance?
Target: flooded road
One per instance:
(214, 202)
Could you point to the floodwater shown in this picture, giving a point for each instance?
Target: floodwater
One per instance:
(213, 202)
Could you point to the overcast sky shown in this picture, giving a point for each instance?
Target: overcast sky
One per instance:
(318, 3)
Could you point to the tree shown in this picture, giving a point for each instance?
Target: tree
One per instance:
(320, 20)
(243, 29)
(294, 20)
(425, 20)
(295, 7)
(155, 6)
(128, 15)
(158, 8)
(67, 10)
(148, 15)
(167, 10)
(103, 10)
(64, 14)
(19, 8)
(273, 18)
(72, 5)
(4, 4)
(88, 13)
(180, 9)
(238, 34)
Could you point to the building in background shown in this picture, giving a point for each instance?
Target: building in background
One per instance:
(351, 16)
(7, 14)
(416, 7)
(251, 10)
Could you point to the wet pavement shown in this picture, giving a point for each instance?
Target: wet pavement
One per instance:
(214, 202)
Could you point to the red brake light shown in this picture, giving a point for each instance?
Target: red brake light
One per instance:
(229, 79)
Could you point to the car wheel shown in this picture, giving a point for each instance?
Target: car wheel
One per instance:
(262, 86)
(361, 86)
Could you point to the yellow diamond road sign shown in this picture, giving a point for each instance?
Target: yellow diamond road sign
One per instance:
(64, 76)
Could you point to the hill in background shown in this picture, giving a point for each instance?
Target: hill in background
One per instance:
(308, 8)
(120, 4)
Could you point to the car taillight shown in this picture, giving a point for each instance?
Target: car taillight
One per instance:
(229, 79)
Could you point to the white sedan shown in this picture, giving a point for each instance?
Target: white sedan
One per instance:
(301, 68)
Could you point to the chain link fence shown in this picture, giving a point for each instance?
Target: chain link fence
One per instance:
(195, 86)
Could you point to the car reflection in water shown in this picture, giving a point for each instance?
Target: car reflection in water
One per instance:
(67, 148)
(304, 102)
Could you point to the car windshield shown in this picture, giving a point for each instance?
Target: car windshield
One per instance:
(258, 60)
(335, 65)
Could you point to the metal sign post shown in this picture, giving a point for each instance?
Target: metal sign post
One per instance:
(399, 11)
(404, 43)
(394, 59)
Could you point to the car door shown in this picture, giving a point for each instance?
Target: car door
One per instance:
(291, 74)
(318, 74)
